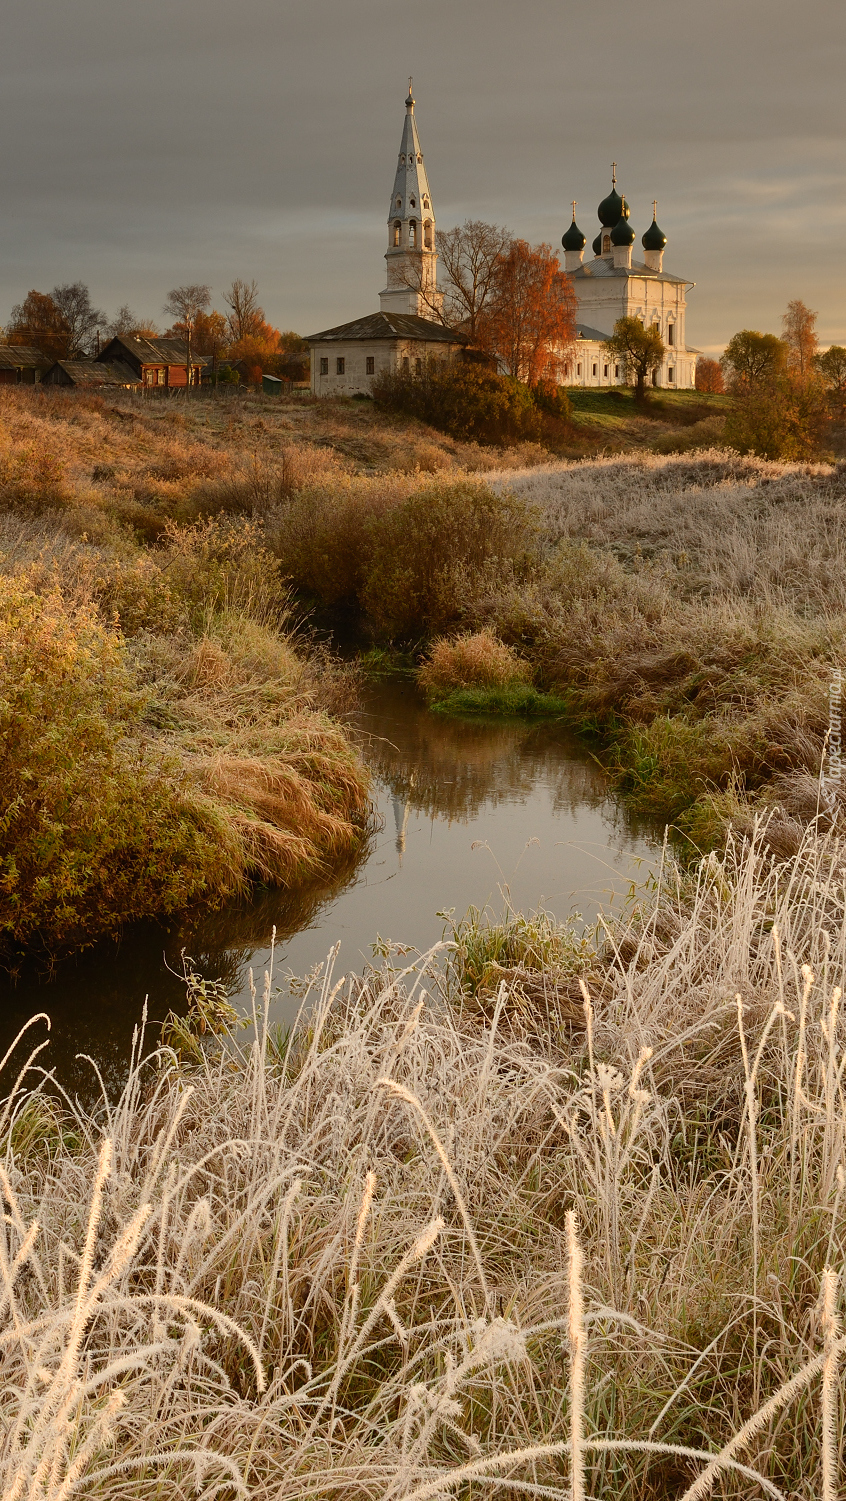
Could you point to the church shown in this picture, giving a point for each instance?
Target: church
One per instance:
(613, 286)
(345, 360)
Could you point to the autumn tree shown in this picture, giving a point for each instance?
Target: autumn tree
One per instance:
(709, 376)
(529, 318)
(753, 359)
(61, 323)
(799, 331)
(38, 322)
(832, 368)
(211, 333)
(128, 323)
(639, 350)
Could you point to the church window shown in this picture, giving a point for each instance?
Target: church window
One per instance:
(595, 368)
(413, 202)
(371, 364)
(616, 372)
(427, 234)
(671, 374)
(606, 242)
(417, 367)
(671, 334)
(412, 233)
(399, 203)
(578, 369)
(340, 365)
(426, 203)
(324, 364)
(397, 231)
(405, 364)
(605, 372)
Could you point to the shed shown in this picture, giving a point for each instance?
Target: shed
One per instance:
(272, 385)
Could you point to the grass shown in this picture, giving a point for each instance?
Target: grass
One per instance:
(519, 702)
(470, 1227)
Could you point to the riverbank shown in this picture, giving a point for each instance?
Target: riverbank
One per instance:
(481, 1232)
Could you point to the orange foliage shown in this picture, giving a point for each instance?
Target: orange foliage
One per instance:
(530, 323)
(709, 376)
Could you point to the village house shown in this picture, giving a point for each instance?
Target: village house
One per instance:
(22, 366)
(346, 360)
(90, 374)
(159, 363)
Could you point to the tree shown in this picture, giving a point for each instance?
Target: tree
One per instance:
(82, 320)
(185, 303)
(470, 257)
(832, 368)
(210, 333)
(529, 318)
(38, 322)
(782, 418)
(129, 324)
(639, 350)
(709, 376)
(799, 329)
(753, 359)
(245, 317)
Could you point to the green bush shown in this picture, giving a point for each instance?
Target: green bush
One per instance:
(468, 401)
(428, 555)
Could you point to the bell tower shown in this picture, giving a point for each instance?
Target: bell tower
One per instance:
(411, 255)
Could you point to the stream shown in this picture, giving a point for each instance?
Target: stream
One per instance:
(481, 812)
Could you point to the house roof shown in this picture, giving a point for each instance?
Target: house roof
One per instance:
(21, 357)
(97, 372)
(156, 351)
(389, 326)
(584, 332)
(599, 268)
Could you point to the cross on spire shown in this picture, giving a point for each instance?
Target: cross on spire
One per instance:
(575, 201)
(613, 174)
(655, 208)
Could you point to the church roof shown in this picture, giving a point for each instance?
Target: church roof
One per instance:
(584, 331)
(389, 326)
(600, 268)
(410, 198)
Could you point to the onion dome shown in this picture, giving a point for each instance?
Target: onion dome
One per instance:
(622, 233)
(596, 247)
(654, 239)
(613, 208)
(573, 239)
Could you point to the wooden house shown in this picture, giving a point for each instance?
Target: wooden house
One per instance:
(157, 363)
(22, 366)
(91, 374)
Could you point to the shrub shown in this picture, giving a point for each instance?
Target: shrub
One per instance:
(709, 375)
(466, 400)
(96, 830)
(476, 659)
(782, 418)
(428, 555)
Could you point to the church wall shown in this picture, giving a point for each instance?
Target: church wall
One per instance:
(386, 354)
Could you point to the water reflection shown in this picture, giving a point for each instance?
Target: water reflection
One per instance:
(464, 811)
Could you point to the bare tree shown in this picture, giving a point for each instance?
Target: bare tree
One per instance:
(470, 255)
(184, 303)
(128, 323)
(82, 320)
(246, 317)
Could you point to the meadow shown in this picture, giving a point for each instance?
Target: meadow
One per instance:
(532, 1215)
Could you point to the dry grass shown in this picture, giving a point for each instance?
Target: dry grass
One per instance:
(419, 1245)
(476, 659)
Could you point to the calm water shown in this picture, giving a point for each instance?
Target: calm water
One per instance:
(467, 813)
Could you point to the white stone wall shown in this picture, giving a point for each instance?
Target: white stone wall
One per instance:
(592, 366)
(385, 353)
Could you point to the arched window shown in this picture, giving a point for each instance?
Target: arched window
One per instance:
(397, 232)
(399, 203)
(606, 243)
(412, 233)
(427, 234)
(413, 202)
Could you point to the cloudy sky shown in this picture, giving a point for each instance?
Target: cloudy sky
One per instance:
(151, 142)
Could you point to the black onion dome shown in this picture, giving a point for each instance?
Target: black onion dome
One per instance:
(596, 247)
(654, 239)
(622, 233)
(573, 239)
(612, 209)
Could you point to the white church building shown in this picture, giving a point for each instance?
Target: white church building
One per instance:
(613, 285)
(345, 360)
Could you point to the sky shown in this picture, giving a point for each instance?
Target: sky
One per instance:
(147, 143)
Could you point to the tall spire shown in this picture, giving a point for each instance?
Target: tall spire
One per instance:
(411, 255)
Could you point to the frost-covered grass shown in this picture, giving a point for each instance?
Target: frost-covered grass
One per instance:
(460, 1228)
